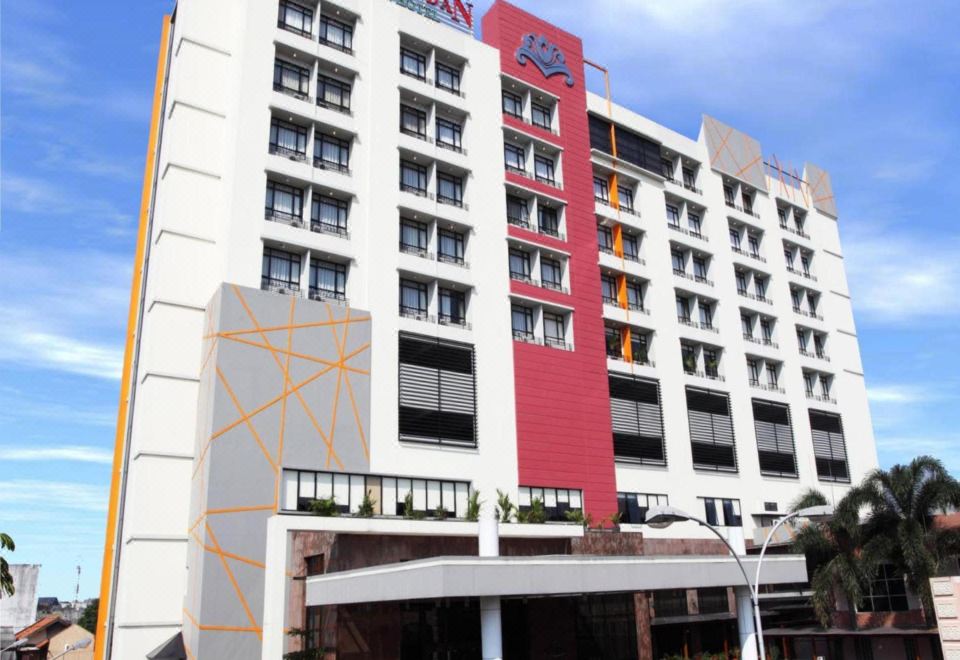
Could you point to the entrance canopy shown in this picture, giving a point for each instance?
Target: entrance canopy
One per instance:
(470, 577)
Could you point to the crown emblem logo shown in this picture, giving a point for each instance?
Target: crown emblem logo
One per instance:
(545, 56)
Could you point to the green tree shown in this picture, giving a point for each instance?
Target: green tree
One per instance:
(899, 526)
(88, 618)
(835, 555)
(6, 580)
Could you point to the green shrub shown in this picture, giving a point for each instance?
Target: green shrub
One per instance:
(325, 507)
(473, 506)
(366, 509)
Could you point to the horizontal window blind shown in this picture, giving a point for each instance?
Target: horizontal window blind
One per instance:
(774, 438)
(637, 420)
(711, 430)
(437, 391)
(829, 447)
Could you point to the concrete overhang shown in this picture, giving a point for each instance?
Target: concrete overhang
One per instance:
(471, 577)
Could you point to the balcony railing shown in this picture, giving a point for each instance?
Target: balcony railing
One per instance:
(422, 77)
(629, 209)
(517, 170)
(766, 387)
(416, 313)
(689, 322)
(450, 146)
(702, 280)
(458, 321)
(327, 228)
(550, 181)
(638, 307)
(808, 314)
(737, 207)
(821, 398)
(557, 342)
(819, 355)
(336, 107)
(286, 152)
(326, 295)
(795, 232)
(709, 375)
(283, 217)
(753, 296)
(449, 89)
(607, 300)
(416, 190)
(416, 134)
(290, 91)
(547, 231)
(416, 251)
(280, 286)
(689, 232)
(283, 25)
(452, 259)
(801, 273)
(683, 184)
(519, 222)
(343, 48)
(606, 249)
(526, 337)
(523, 277)
(331, 165)
(554, 286)
(760, 340)
(634, 258)
(744, 253)
(451, 201)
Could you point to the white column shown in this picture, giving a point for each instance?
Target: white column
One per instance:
(491, 635)
(745, 614)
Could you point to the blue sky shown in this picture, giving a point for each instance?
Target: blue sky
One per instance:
(867, 90)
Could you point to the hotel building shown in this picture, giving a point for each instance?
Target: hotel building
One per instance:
(381, 256)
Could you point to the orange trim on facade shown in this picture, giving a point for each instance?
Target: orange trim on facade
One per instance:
(127, 376)
(618, 240)
(622, 290)
(627, 346)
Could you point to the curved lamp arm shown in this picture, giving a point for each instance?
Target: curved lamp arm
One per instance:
(746, 578)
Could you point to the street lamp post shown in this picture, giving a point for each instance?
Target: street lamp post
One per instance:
(661, 517)
(82, 644)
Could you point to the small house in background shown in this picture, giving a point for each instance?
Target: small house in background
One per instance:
(53, 636)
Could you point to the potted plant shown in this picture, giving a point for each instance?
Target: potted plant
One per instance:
(505, 508)
(408, 511)
(325, 507)
(535, 515)
(473, 506)
(366, 508)
(441, 513)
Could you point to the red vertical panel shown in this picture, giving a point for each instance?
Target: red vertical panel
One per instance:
(564, 437)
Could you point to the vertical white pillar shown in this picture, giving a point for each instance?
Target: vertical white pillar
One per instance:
(745, 615)
(491, 634)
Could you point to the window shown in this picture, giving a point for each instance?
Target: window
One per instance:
(711, 431)
(519, 264)
(747, 201)
(802, 340)
(556, 501)
(608, 289)
(713, 600)
(693, 222)
(734, 239)
(333, 93)
(635, 295)
(329, 215)
(413, 237)
(711, 361)
(291, 79)
(688, 355)
(413, 178)
(448, 78)
(453, 307)
(514, 159)
(829, 447)
(551, 274)
(633, 507)
(295, 18)
(522, 322)
(754, 245)
(328, 280)
(706, 315)
(413, 121)
(553, 329)
(666, 168)
(331, 153)
(336, 34)
(808, 382)
(782, 215)
(689, 178)
(700, 269)
(741, 278)
(673, 215)
(541, 116)
(765, 330)
(772, 380)
(679, 263)
(437, 391)
(413, 64)
(512, 105)
(722, 513)
(548, 220)
(788, 258)
(639, 347)
(614, 342)
(795, 296)
(449, 189)
(543, 169)
(798, 221)
(631, 246)
(753, 371)
(775, 447)
(601, 190)
(288, 139)
(728, 195)
(887, 592)
(760, 286)
(450, 246)
(413, 299)
(605, 239)
(824, 386)
(280, 271)
(631, 147)
(746, 323)
(449, 134)
(683, 309)
(818, 346)
(625, 198)
(637, 420)
(805, 264)
(284, 203)
(670, 602)
(517, 212)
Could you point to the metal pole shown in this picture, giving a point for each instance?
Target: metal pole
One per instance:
(756, 582)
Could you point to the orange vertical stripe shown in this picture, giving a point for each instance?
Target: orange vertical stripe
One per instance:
(614, 190)
(126, 379)
(627, 347)
(618, 240)
(622, 290)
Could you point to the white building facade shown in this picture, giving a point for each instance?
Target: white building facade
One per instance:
(601, 319)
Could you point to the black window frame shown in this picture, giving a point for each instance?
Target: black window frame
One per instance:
(339, 270)
(422, 233)
(555, 265)
(343, 89)
(297, 193)
(548, 220)
(516, 101)
(420, 117)
(601, 190)
(341, 146)
(326, 22)
(453, 72)
(409, 56)
(550, 167)
(636, 412)
(306, 18)
(295, 261)
(303, 74)
(521, 158)
(455, 302)
(422, 177)
(301, 132)
(455, 128)
(317, 220)
(525, 333)
(543, 110)
(454, 184)
(459, 242)
(423, 298)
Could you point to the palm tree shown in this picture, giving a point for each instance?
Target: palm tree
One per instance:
(835, 556)
(6, 580)
(903, 501)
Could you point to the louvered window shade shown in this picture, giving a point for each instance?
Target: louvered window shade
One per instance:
(711, 430)
(774, 438)
(829, 447)
(437, 391)
(637, 420)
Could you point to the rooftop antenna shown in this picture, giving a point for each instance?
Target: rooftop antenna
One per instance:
(76, 595)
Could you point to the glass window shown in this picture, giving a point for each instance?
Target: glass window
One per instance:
(639, 347)
(760, 286)
(548, 220)
(291, 78)
(551, 273)
(772, 379)
(693, 222)
(631, 246)
(333, 93)
(519, 264)
(517, 212)
(288, 139)
(805, 264)
(413, 236)
(728, 195)
(331, 153)
(734, 239)
(449, 189)
(514, 158)
(679, 265)
(812, 302)
(413, 121)
(699, 268)
(512, 104)
(825, 387)
(413, 64)
(336, 34)
(329, 214)
(413, 298)
(453, 306)
(280, 269)
(625, 197)
(689, 177)
(818, 345)
(802, 339)
(604, 238)
(608, 288)
(450, 246)
(808, 382)
(522, 320)
(327, 278)
(725, 513)
(711, 361)
(614, 342)
(413, 177)
(765, 330)
(673, 215)
(284, 202)
(448, 77)
(683, 308)
(782, 214)
(798, 220)
(541, 116)
(666, 167)
(796, 297)
(754, 245)
(543, 169)
(295, 18)
(688, 355)
(746, 324)
(449, 134)
(887, 592)
(788, 257)
(553, 331)
(747, 201)
(601, 190)
(741, 278)
(753, 372)
(706, 315)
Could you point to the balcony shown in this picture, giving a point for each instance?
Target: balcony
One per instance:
(801, 273)
(757, 385)
(291, 154)
(557, 342)
(326, 295)
(693, 278)
(525, 337)
(709, 375)
(760, 341)
(689, 232)
(819, 355)
(416, 313)
(452, 201)
(808, 314)
(520, 221)
(283, 217)
(280, 286)
(450, 146)
(416, 251)
(690, 323)
(683, 184)
(752, 255)
(739, 208)
(523, 277)
(607, 300)
(552, 233)
(283, 25)
(634, 258)
(554, 286)
(343, 48)
(452, 259)
(549, 181)
(796, 232)
(336, 107)
(638, 307)
(330, 166)
(457, 321)
(821, 398)
(419, 192)
(327, 228)
(290, 91)
(529, 122)
(752, 296)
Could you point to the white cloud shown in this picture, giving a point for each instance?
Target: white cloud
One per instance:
(25, 494)
(74, 453)
(53, 351)
(896, 394)
(34, 196)
(896, 448)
